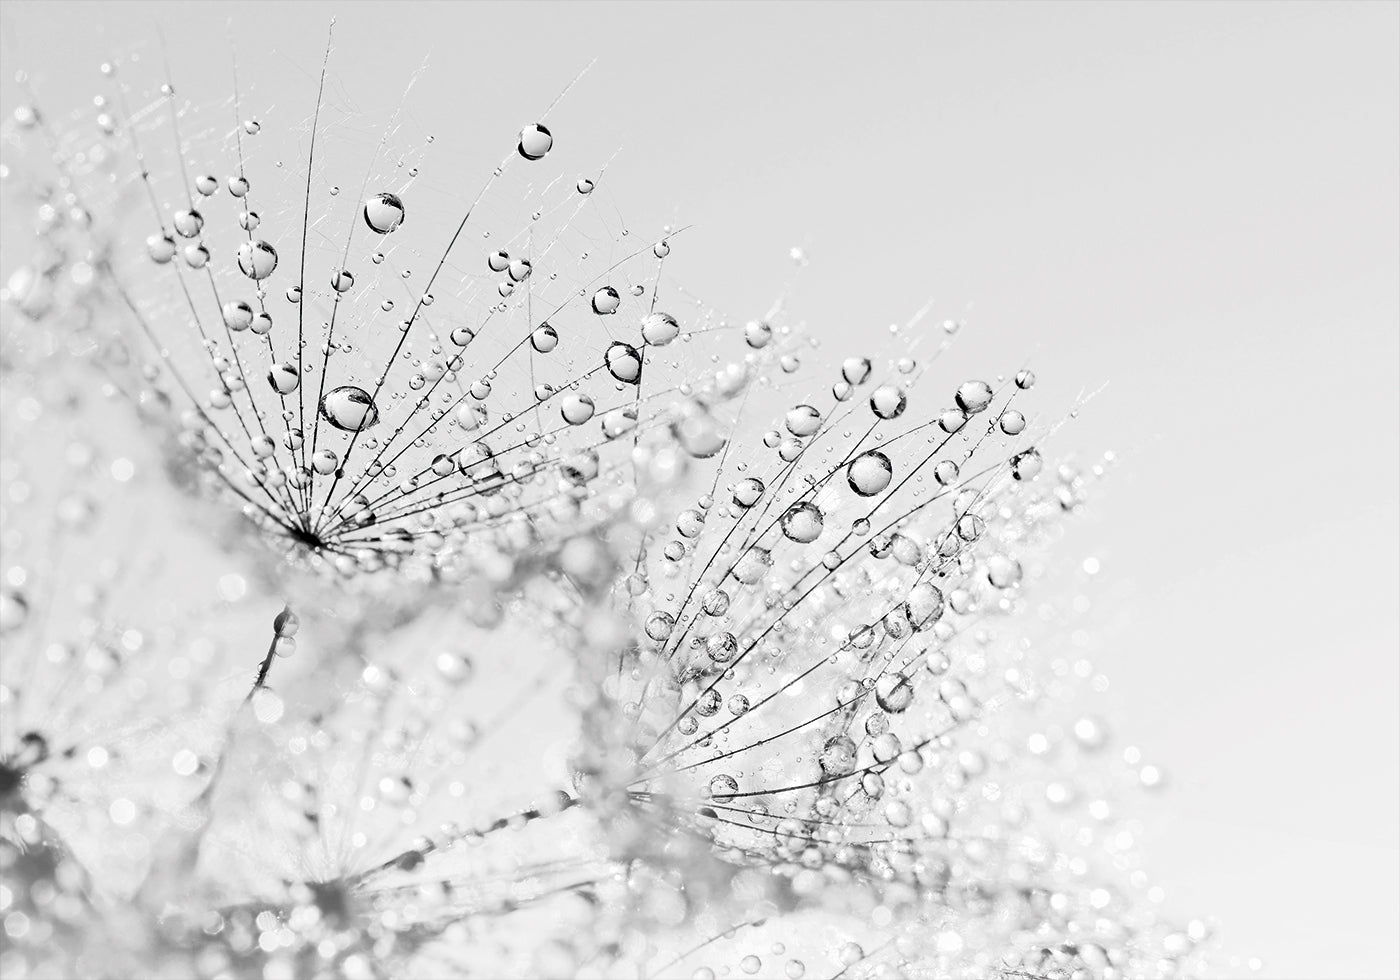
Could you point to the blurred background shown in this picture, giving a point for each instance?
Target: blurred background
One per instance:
(1192, 207)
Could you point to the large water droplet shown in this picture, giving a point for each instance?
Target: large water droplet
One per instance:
(623, 362)
(838, 756)
(189, 223)
(349, 408)
(535, 142)
(544, 338)
(384, 212)
(606, 301)
(802, 522)
(973, 396)
(576, 409)
(160, 248)
(887, 402)
(284, 379)
(803, 420)
(257, 259)
(659, 329)
(869, 473)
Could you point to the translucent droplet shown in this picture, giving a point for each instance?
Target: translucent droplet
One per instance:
(623, 362)
(349, 408)
(803, 420)
(924, 607)
(869, 473)
(1026, 465)
(747, 491)
(973, 396)
(576, 409)
(160, 248)
(606, 301)
(753, 565)
(462, 336)
(659, 626)
(855, 370)
(384, 212)
(284, 378)
(584, 185)
(189, 223)
(802, 522)
(887, 402)
(238, 315)
(342, 280)
(661, 249)
(206, 184)
(257, 259)
(1025, 379)
(757, 334)
(238, 186)
(324, 461)
(659, 329)
(1012, 422)
(544, 338)
(535, 142)
(838, 756)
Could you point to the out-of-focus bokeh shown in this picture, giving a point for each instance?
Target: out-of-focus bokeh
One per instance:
(1193, 206)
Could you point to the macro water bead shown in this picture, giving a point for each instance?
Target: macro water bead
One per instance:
(349, 408)
(869, 473)
(257, 259)
(384, 212)
(535, 142)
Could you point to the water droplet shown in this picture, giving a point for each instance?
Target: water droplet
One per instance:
(623, 362)
(1025, 379)
(284, 378)
(973, 396)
(257, 259)
(887, 402)
(753, 565)
(747, 491)
(802, 522)
(757, 334)
(661, 249)
(1013, 423)
(576, 409)
(803, 420)
(1026, 465)
(606, 301)
(544, 338)
(349, 408)
(535, 142)
(584, 185)
(249, 220)
(659, 626)
(462, 336)
(659, 329)
(924, 607)
(384, 212)
(160, 248)
(342, 281)
(324, 461)
(252, 127)
(238, 186)
(238, 315)
(869, 473)
(189, 223)
(855, 370)
(838, 756)
(206, 184)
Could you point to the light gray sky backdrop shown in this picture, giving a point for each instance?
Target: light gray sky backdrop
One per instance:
(1195, 203)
